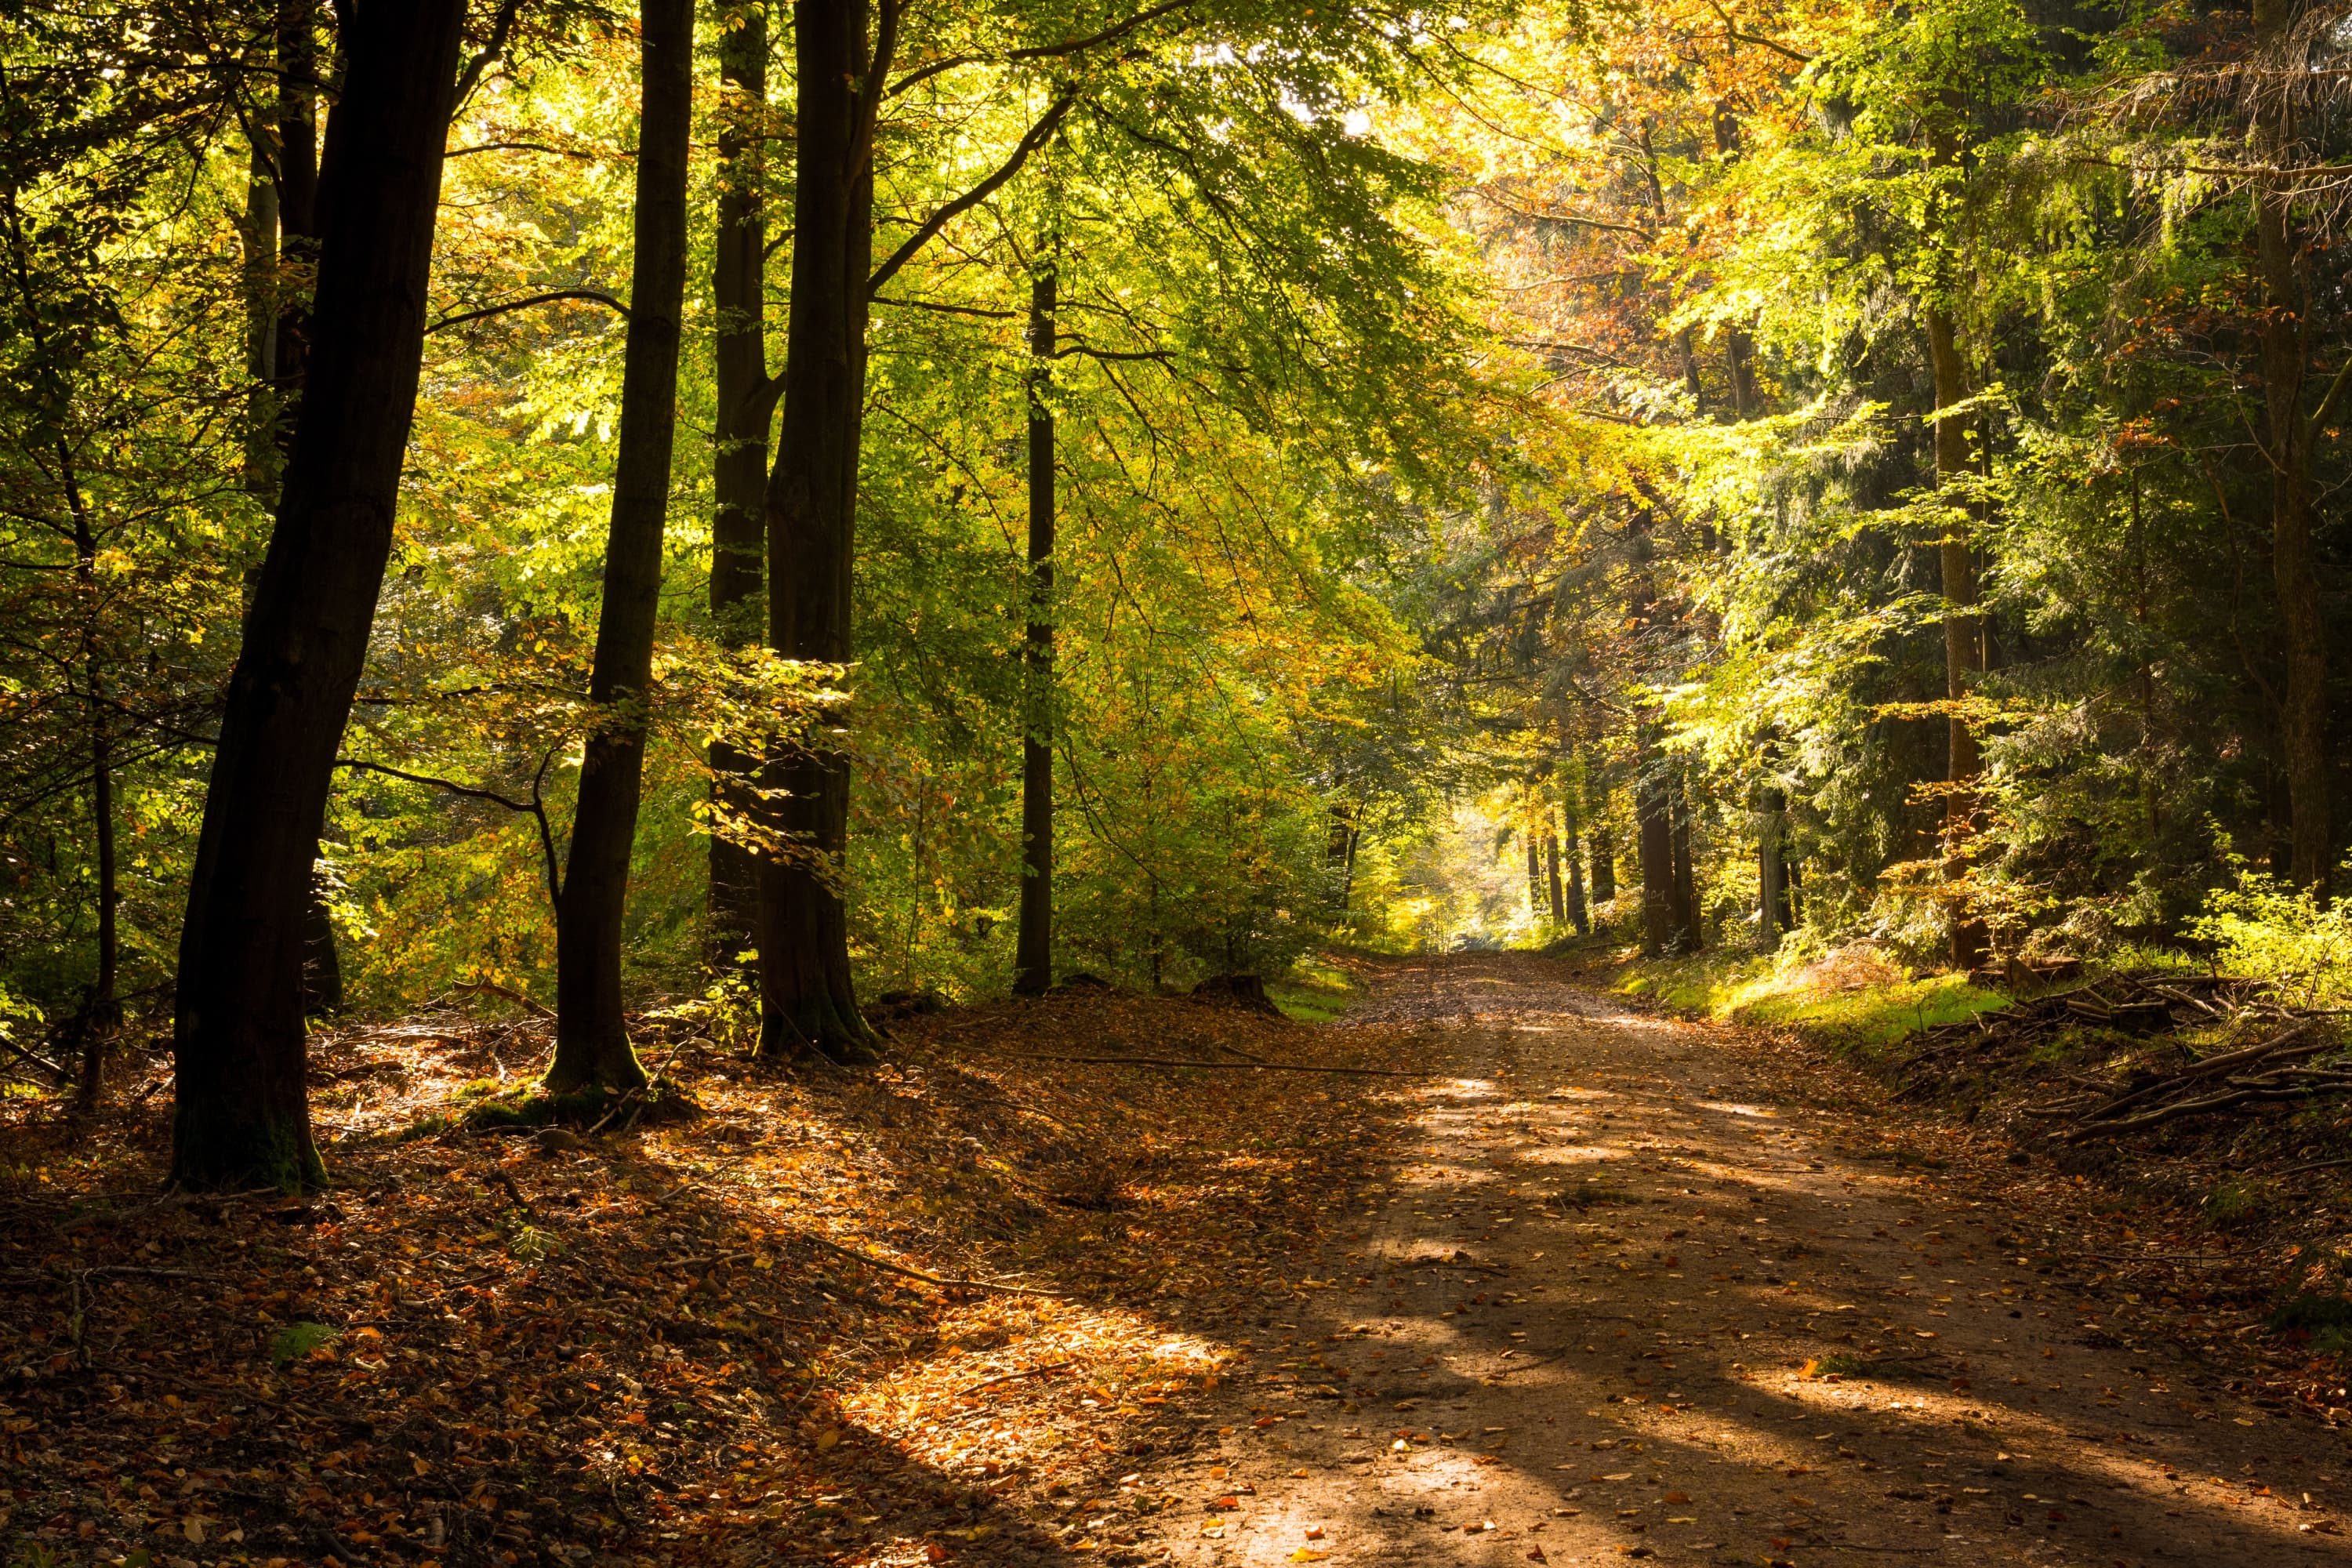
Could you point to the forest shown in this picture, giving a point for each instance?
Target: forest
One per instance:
(547, 504)
(759, 760)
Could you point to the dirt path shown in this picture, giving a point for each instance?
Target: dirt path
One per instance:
(1576, 1324)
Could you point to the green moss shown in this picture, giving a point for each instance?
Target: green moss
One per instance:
(1313, 992)
(231, 1149)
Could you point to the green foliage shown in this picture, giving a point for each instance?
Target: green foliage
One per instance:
(2266, 929)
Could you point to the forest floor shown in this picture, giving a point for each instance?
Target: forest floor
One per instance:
(1584, 1284)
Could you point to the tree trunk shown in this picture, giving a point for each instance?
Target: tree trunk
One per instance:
(1604, 864)
(807, 1000)
(1771, 916)
(592, 1036)
(2295, 560)
(296, 156)
(1655, 832)
(1963, 638)
(746, 402)
(1033, 964)
(259, 230)
(1688, 937)
(105, 1003)
(1551, 876)
(1536, 902)
(243, 1118)
(1579, 917)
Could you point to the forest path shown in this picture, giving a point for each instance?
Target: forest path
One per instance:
(1573, 1328)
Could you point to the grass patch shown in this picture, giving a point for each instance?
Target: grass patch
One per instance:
(1854, 998)
(1313, 992)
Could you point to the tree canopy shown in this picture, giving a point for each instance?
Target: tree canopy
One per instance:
(1191, 482)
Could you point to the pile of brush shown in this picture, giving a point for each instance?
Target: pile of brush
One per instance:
(2154, 1074)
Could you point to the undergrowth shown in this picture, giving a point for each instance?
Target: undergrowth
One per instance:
(1852, 998)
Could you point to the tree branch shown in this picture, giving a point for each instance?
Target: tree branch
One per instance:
(1733, 32)
(980, 193)
(593, 296)
(1112, 34)
(535, 806)
(501, 29)
(949, 310)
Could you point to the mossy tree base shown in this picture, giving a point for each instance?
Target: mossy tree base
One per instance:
(217, 1150)
(818, 1030)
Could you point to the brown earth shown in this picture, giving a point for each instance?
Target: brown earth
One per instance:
(1598, 1309)
(1007, 1300)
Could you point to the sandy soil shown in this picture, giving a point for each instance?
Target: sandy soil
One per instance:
(1625, 1294)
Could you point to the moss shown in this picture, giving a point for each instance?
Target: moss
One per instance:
(231, 1149)
(1313, 993)
(583, 1107)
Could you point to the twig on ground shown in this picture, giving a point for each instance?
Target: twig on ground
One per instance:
(1232, 1066)
(873, 1261)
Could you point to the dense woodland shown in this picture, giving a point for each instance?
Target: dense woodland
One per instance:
(742, 511)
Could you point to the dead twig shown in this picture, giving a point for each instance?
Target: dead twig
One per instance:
(1233, 1066)
(872, 1261)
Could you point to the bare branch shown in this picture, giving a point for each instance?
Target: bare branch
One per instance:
(980, 193)
(593, 296)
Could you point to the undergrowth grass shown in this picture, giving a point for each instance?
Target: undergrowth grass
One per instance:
(1862, 1004)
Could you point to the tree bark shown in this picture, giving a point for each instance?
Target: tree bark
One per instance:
(1688, 937)
(1604, 864)
(592, 1036)
(1654, 829)
(2290, 437)
(1551, 876)
(807, 999)
(258, 231)
(1579, 916)
(1033, 964)
(1963, 638)
(1771, 919)
(243, 1118)
(1536, 903)
(746, 403)
(295, 153)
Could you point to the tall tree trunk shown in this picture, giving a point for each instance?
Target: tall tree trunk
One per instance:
(2290, 437)
(746, 403)
(1688, 937)
(241, 1117)
(592, 1036)
(275, 329)
(1963, 638)
(295, 153)
(1604, 864)
(1536, 902)
(1579, 916)
(807, 1000)
(102, 1012)
(258, 231)
(1655, 830)
(1552, 877)
(1033, 964)
(1771, 919)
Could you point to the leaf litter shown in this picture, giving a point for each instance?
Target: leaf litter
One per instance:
(715, 1340)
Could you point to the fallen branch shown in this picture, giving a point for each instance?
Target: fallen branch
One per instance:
(875, 1262)
(1234, 1066)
